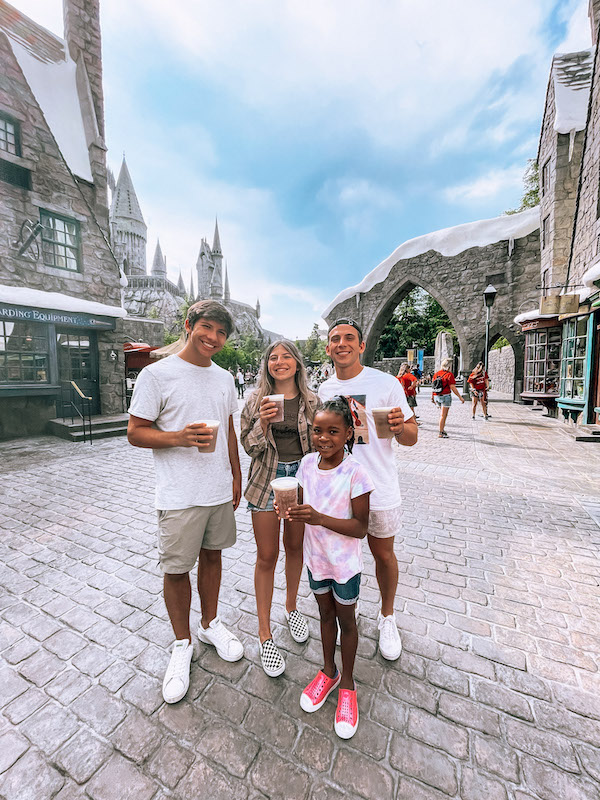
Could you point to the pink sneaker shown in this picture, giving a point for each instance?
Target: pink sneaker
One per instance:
(346, 716)
(318, 690)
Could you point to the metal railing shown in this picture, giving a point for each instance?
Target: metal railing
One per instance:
(73, 400)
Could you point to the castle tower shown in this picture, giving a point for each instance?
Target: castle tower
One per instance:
(217, 259)
(257, 308)
(192, 293)
(226, 291)
(159, 266)
(128, 229)
(180, 284)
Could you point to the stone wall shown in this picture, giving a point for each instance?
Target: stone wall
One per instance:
(558, 196)
(154, 300)
(392, 365)
(501, 369)
(587, 223)
(457, 283)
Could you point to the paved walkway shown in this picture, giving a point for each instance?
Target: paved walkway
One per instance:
(495, 697)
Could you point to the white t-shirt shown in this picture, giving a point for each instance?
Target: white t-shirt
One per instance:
(372, 388)
(330, 555)
(240, 378)
(173, 393)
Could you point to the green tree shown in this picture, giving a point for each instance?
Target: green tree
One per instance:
(417, 319)
(313, 349)
(531, 188)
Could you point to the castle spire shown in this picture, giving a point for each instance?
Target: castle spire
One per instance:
(192, 295)
(180, 284)
(226, 292)
(257, 308)
(125, 204)
(216, 248)
(159, 267)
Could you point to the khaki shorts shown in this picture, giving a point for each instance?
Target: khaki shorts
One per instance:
(183, 532)
(383, 524)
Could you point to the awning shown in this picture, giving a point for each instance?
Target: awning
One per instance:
(36, 298)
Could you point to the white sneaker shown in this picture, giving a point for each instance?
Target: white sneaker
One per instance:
(228, 646)
(390, 645)
(177, 676)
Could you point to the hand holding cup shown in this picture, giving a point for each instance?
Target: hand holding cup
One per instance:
(202, 434)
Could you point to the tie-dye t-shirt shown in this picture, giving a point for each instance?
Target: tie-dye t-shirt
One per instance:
(330, 555)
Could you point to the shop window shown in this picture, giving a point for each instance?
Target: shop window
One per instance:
(23, 353)
(10, 135)
(542, 361)
(60, 242)
(573, 358)
(545, 176)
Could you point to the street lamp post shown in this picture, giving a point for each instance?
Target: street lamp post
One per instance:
(489, 295)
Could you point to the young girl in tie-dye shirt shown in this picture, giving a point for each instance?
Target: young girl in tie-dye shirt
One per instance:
(334, 506)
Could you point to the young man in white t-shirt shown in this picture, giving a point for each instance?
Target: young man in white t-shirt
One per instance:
(197, 487)
(370, 388)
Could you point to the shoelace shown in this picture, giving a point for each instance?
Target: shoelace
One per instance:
(387, 628)
(179, 665)
(221, 632)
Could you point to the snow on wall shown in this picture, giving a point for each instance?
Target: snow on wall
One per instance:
(448, 242)
(24, 296)
(54, 86)
(572, 78)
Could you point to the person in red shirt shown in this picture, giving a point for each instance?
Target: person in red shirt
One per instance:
(444, 386)
(409, 384)
(479, 382)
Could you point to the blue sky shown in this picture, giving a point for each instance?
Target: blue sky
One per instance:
(323, 133)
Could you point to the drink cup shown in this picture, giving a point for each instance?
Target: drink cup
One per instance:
(277, 398)
(382, 426)
(214, 424)
(286, 493)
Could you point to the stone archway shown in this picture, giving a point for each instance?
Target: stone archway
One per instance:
(409, 282)
(457, 283)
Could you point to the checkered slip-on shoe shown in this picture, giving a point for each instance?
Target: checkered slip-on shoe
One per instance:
(271, 659)
(297, 625)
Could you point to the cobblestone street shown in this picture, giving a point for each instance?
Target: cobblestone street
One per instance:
(496, 695)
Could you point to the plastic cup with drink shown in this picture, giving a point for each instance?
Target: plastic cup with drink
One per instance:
(278, 400)
(382, 426)
(286, 494)
(214, 425)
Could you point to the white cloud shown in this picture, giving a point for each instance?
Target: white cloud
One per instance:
(578, 36)
(357, 202)
(486, 187)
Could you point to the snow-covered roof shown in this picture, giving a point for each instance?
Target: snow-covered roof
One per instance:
(24, 296)
(51, 75)
(592, 275)
(572, 77)
(527, 316)
(448, 242)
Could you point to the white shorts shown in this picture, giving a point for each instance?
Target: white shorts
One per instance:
(386, 523)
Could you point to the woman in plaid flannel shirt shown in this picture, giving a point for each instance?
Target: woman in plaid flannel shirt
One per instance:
(276, 449)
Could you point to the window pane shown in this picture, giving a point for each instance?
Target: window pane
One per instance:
(578, 368)
(23, 352)
(580, 347)
(582, 326)
(60, 242)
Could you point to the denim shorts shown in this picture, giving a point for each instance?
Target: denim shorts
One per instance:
(284, 470)
(443, 400)
(345, 593)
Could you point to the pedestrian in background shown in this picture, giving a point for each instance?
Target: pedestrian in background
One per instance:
(444, 386)
(276, 449)
(409, 383)
(479, 383)
(241, 382)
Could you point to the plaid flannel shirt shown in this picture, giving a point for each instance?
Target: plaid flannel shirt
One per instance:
(263, 451)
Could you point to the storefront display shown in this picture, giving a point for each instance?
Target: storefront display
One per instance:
(573, 371)
(542, 361)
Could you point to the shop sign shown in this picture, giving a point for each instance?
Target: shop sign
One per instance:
(569, 303)
(550, 304)
(536, 324)
(72, 319)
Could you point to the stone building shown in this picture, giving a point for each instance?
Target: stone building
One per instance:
(154, 295)
(61, 316)
(562, 344)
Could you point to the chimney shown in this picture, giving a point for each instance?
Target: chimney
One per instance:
(594, 15)
(82, 34)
